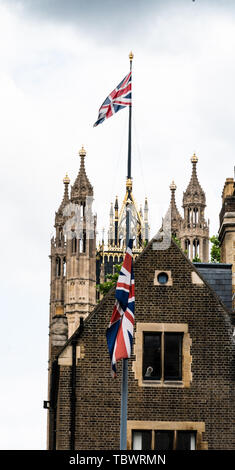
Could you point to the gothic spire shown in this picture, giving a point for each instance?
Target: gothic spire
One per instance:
(65, 200)
(82, 186)
(116, 234)
(176, 218)
(194, 234)
(194, 192)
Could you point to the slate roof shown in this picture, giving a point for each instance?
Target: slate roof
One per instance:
(219, 277)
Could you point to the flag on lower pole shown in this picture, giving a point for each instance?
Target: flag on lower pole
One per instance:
(120, 331)
(118, 99)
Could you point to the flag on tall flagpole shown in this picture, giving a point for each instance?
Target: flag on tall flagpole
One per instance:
(118, 99)
(120, 331)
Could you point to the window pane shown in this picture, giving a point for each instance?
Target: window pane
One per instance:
(173, 356)
(141, 440)
(164, 440)
(186, 440)
(152, 356)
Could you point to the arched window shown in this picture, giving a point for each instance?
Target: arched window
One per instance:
(195, 215)
(83, 208)
(189, 216)
(64, 266)
(60, 237)
(195, 247)
(84, 241)
(58, 267)
(74, 245)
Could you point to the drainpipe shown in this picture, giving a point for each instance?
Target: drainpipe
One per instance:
(73, 390)
(53, 403)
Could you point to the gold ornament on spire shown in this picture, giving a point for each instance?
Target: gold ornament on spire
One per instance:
(173, 186)
(66, 180)
(194, 158)
(82, 152)
(131, 55)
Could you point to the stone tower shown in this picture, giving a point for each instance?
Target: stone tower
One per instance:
(73, 271)
(192, 230)
(73, 259)
(227, 228)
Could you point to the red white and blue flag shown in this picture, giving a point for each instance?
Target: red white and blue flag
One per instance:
(120, 331)
(118, 99)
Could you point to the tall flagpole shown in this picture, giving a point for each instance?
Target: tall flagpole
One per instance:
(124, 386)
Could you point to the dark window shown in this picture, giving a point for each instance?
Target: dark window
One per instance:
(186, 440)
(58, 267)
(164, 440)
(162, 356)
(173, 356)
(162, 278)
(141, 440)
(152, 356)
(84, 241)
(74, 245)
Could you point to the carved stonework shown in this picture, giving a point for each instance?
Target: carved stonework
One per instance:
(192, 230)
(59, 330)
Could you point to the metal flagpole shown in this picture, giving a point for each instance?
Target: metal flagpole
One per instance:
(124, 386)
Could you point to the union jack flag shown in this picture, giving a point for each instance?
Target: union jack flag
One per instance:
(120, 331)
(118, 99)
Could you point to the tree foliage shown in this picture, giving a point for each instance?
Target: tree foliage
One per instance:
(215, 249)
(196, 259)
(111, 280)
(176, 240)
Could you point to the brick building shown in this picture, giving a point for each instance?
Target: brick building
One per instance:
(181, 373)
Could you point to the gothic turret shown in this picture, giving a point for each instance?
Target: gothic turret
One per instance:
(58, 257)
(111, 226)
(82, 186)
(146, 222)
(73, 257)
(81, 251)
(176, 219)
(116, 239)
(194, 232)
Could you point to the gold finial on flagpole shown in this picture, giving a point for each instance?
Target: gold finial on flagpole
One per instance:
(131, 55)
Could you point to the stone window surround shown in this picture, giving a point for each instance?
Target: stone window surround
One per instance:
(157, 283)
(137, 366)
(199, 427)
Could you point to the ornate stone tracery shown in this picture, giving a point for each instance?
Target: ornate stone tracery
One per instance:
(192, 230)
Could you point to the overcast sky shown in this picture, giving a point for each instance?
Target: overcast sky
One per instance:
(59, 59)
